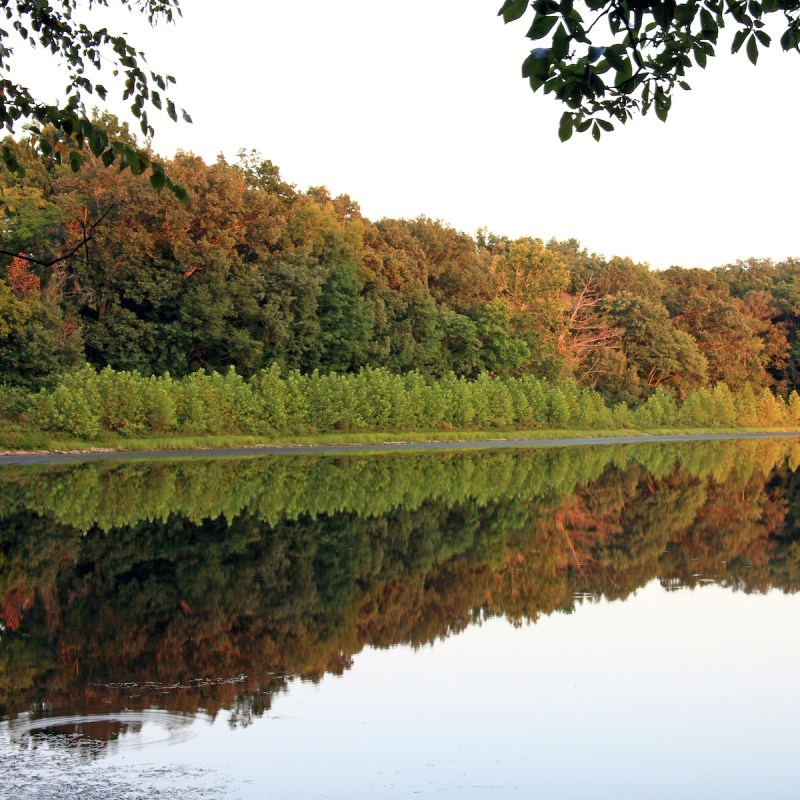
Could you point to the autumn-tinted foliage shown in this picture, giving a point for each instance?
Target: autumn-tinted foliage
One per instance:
(252, 272)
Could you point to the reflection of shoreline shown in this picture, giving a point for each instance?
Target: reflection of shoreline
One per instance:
(500, 440)
(125, 619)
(111, 495)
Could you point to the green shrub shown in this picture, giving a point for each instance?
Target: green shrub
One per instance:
(657, 411)
(86, 402)
(14, 401)
(64, 410)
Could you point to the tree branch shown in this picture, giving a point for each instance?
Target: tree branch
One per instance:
(87, 237)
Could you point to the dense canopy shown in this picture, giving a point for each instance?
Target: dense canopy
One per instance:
(253, 271)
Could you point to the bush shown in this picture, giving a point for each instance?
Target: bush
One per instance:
(658, 410)
(86, 402)
(14, 401)
(66, 411)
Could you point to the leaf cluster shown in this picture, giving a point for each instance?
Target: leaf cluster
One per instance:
(56, 29)
(638, 55)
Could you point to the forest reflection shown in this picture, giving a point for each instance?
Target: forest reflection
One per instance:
(207, 585)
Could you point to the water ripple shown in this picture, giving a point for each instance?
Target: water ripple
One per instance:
(130, 729)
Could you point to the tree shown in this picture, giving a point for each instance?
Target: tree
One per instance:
(533, 279)
(726, 334)
(639, 53)
(344, 320)
(61, 130)
(661, 353)
(38, 341)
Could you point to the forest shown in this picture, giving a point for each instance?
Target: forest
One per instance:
(252, 277)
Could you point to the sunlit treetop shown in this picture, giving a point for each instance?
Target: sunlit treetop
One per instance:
(611, 59)
(81, 51)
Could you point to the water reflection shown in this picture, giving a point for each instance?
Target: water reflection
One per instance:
(131, 591)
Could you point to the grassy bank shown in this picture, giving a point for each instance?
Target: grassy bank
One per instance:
(12, 441)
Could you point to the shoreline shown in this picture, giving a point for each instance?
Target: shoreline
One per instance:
(464, 440)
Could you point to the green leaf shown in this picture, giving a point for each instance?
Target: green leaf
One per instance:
(738, 11)
(566, 126)
(560, 43)
(107, 158)
(596, 132)
(605, 125)
(738, 41)
(708, 23)
(614, 56)
(662, 103)
(685, 13)
(700, 56)
(541, 27)
(181, 194)
(537, 65)
(513, 9)
(134, 161)
(75, 160)
(789, 39)
(624, 74)
(752, 49)
(537, 69)
(764, 38)
(158, 179)
(576, 30)
(97, 142)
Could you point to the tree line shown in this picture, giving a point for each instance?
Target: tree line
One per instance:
(87, 404)
(98, 268)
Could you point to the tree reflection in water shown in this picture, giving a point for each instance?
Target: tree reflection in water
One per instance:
(209, 585)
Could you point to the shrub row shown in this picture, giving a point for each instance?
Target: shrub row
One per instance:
(86, 402)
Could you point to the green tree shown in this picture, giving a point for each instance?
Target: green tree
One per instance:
(345, 321)
(502, 351)
(661, 353)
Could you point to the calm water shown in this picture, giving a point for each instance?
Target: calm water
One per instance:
(592, 622)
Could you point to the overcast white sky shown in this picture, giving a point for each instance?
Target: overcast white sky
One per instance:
(418, 107)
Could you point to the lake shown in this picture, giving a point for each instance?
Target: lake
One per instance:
(605, 622)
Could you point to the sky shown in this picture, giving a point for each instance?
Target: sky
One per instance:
(419, 108)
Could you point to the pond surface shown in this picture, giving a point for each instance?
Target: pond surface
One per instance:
(604, 622)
